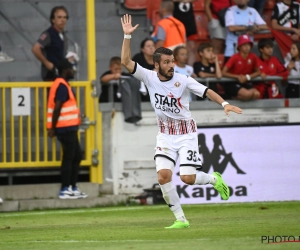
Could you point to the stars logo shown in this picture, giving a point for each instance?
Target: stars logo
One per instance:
(249, 61)
(177, 85)
(272, 66)
(212, 69)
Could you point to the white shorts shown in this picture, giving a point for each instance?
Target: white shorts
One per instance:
(183, 146)
(216, 31)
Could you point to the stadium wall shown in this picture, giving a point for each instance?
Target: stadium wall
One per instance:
(128, 149)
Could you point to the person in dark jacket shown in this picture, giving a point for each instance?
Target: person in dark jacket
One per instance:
(52, 45)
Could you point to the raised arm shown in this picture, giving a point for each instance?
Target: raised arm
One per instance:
(126, 53)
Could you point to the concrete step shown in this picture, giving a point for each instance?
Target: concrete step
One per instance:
(9, 206)
(25, 205)
(42, 191)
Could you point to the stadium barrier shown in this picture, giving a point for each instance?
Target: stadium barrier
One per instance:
(209, 80)
(24, 142)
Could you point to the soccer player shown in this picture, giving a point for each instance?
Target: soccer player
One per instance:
(169, 94)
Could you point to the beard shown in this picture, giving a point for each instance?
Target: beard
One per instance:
(165, 74)
(241, 6)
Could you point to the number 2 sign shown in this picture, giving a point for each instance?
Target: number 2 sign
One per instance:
(20, 101)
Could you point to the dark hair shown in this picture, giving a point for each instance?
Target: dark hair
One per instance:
(161, 51)
(168, 5)
(63, 65)
(298, 47)
(144, 42)
(204, 46)
(176, 50)
(115, 60)
(54, 9)
(265, 42)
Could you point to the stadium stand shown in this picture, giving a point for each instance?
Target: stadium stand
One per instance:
(198, 5)
(134, 4)
(270, 4)
(202, 24)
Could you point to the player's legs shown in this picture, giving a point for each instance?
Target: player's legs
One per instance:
(190, 160)
(165, 168)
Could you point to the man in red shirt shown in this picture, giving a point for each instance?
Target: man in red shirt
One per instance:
(242, 67)
(269, 66)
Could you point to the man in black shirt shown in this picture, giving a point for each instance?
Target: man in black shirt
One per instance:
(285, 18)
(184, 12)
(52, 45)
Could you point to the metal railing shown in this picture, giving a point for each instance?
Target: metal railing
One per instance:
(24, 140)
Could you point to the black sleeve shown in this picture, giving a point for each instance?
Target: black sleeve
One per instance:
(105, 73)
(197, 67)
(136, 58)
(134, 70)
(44, 39)
(275, 14)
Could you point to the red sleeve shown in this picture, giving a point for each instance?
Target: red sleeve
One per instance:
(280, 69)
(256, 61)
(230, 62)
(260, 64)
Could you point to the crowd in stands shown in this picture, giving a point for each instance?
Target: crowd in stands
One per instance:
(234, 27)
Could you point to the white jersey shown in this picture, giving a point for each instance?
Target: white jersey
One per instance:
(170, 99)
(187, 70)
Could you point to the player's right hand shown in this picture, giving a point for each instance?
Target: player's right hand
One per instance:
(127, 26)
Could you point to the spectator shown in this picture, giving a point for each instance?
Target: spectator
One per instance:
(184, 12)
(181, 56)
(285, 18)
(208, 66)
(259, 5)
(63, 119)
(4, 57)
(52, 45)
(241, 19)
(112, 77)
(169, 32)
(292, 90)
(269, 66)
(216, 31)
(145, 57)
(242, 67)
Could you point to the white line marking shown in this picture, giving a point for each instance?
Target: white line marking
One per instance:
(106, 241)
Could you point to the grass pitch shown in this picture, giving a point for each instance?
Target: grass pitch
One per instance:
(222, 226)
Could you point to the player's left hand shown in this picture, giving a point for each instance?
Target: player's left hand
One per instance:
(232, 108)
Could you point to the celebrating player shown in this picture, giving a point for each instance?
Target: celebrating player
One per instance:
(169, 94)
